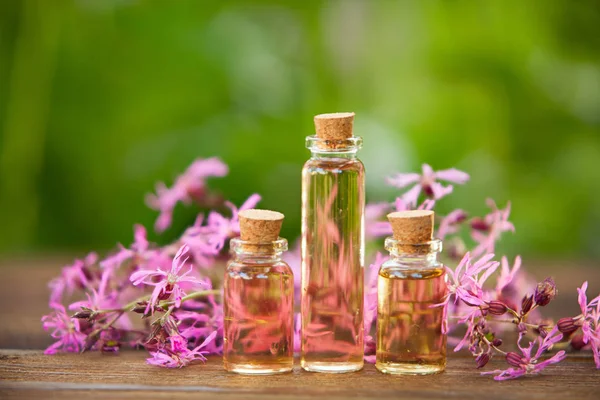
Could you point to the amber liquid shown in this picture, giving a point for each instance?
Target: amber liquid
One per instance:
(332, 265)
(409, 331)
(258, 318)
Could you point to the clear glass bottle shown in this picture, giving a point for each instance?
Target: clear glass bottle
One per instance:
(409, 330)
(258, 309)
(333, 201)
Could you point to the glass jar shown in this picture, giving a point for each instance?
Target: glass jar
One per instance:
(409, 327)
(258, 307)
(333, 202)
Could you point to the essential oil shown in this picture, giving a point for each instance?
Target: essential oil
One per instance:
(333, 200)
(410, 283)
(258, 299)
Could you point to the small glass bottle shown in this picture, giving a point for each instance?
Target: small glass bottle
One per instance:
(258, 304)
(409, 330)
(333, 203)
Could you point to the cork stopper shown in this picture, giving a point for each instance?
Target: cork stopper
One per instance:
(335, 126)
(412, 227)
(260, 226)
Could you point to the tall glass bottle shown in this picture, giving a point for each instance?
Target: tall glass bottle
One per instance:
(333, 202)
(258, 301)
(409, 330)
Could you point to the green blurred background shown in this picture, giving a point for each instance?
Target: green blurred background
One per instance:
(100, 99)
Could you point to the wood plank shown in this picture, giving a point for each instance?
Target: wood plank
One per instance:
(30, 373)
(24, 287)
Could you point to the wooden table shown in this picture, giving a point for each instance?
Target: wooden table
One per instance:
(26, 373)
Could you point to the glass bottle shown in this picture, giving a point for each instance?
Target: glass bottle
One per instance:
(258, 292)
(409, 330)
(333, 201)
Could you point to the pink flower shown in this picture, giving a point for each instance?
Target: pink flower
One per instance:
(588, 321)
(488, 230)
(223, 228)
(139, 249)
(374, 226)
(451, 223)
(507, 275)
(65, 329)
(370, 306)
(176, 353)
(75, 276)
(203, 243)
(294, 259)
(589, 314)
(169, 282)
(466, 284)
(427, 183)
(103, 301)
(189, 186)
(402, 205)
(207, 241)
(525, 363)
(370, 302)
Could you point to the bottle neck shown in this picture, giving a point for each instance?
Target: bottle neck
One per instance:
(414, 254)
(258, 253)
(413, 259)
(347, 155)
(257, 258)
(323, 148)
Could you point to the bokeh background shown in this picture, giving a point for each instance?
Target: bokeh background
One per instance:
(101, 99)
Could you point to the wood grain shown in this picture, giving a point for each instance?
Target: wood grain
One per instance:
(29, 374)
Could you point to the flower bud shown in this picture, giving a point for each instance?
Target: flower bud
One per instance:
(85, 313)
(545, 292)
(497, 342)
(482, 360)
(567, 325)
(514, 359)
(479, 224)
(526, 304)
(428, 190)
(140, 307)
(542, 330)
(497, 307)
(577, 342)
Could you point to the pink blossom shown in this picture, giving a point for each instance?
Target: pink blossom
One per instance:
(65, 329)
(507, 274)
(294, 259)
(588, 321)
(139, 251)
(488, 230)
(176, 353)
(525, 363)
(374, 226)
(427, 183)
(74, 276)
(207, 241)
(189, 186)
(224, 228)
(169, 282)
(466, 284)
(202, 243)
(370, 306)
(451, 223)
(103, 300)
(198, 318)
(402, 205)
